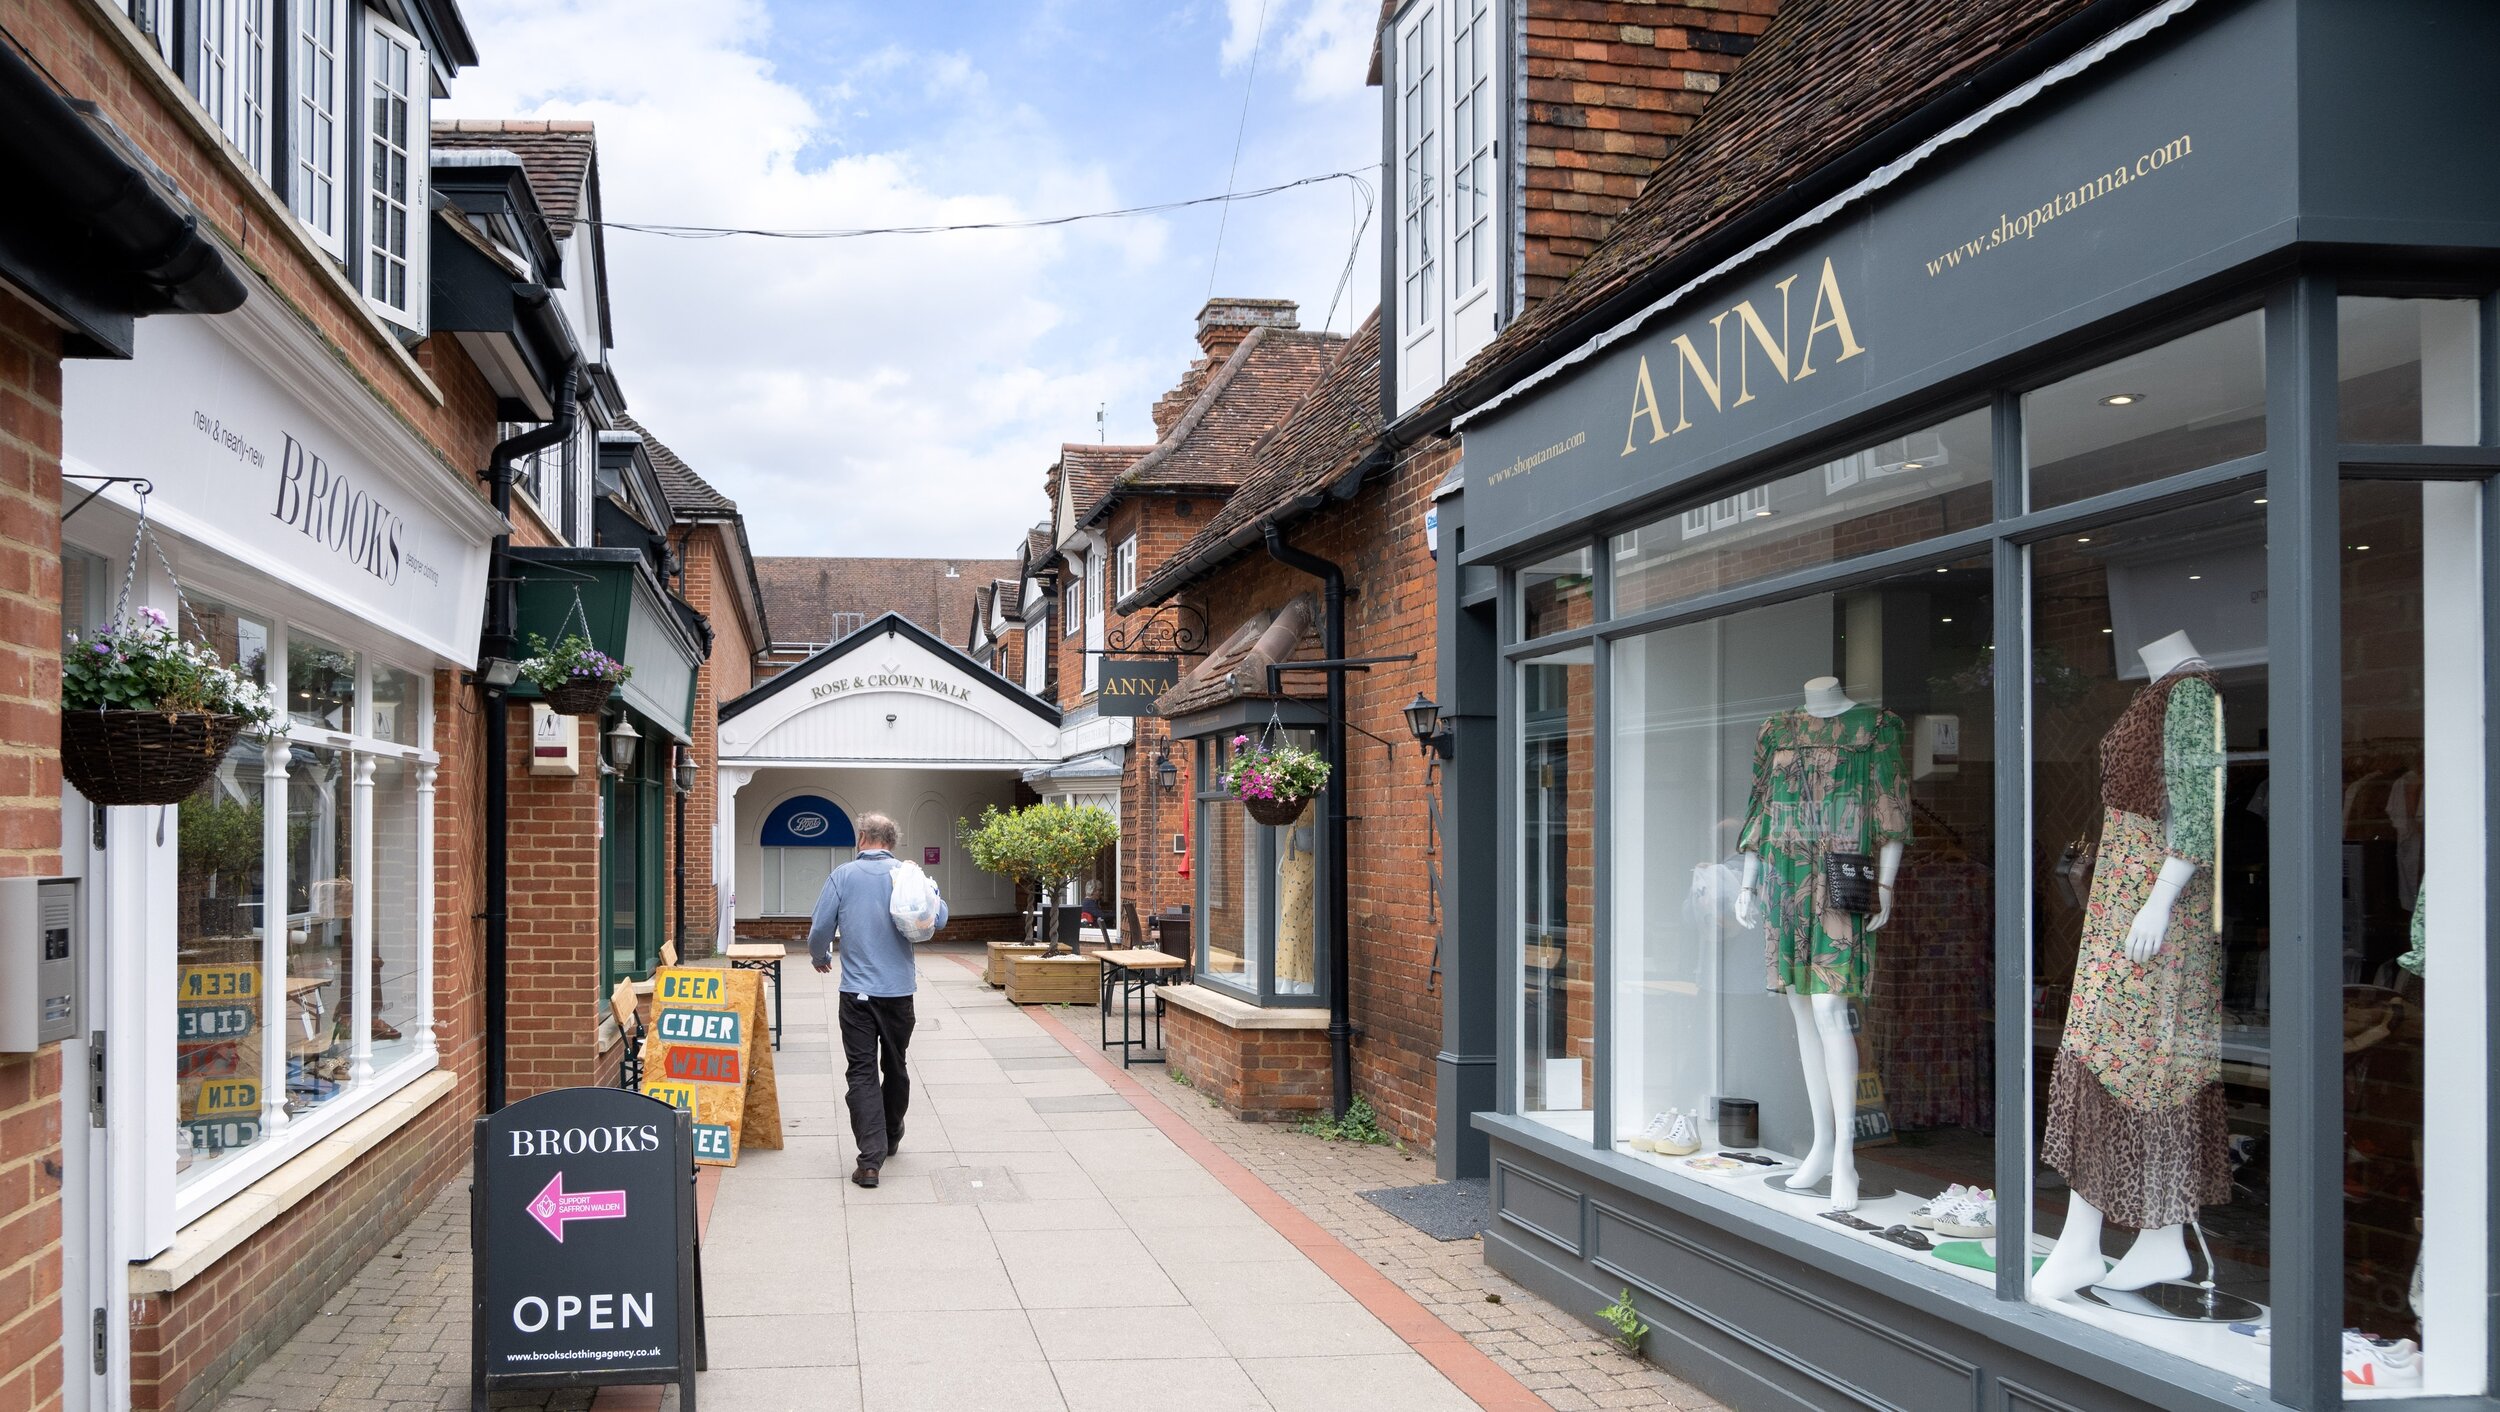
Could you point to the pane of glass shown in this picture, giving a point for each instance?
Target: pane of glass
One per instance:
(221, 1008)
(1759, 1006)
(1883, 496)
(319, 1006)
(398, 702)
(2405, 371)
(2414, 1191)
(400, 856)
(320, 682)
(1293, 855)
(2194, 401)
(1227, 891)
(623, 878)
(1557, 939)
(1556, 595)
(2149, 793)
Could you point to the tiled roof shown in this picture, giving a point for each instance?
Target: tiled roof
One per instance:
(823, 600)
(1241, 399)
(1087, 468)
(1238, 667)
(688, 494)
(1036, 547)
(1332, 431)
(555, 153)
(1826, 77)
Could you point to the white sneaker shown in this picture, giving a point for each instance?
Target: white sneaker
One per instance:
(2375, 1362)
(1682, 1135)
(1972, 1217)
(1648, 1140)
(1925, 1215)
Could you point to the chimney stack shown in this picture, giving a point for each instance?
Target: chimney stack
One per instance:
(1224, 323)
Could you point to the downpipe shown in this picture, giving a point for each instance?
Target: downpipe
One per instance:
(502, 622)
(1332, 646)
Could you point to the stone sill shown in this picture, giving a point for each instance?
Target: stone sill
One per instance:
(216, 1235)
(1237, 1014)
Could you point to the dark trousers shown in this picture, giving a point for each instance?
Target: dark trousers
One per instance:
(875, 1032)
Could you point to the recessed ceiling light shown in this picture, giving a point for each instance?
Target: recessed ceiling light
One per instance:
(2194, 577)
(2105, 632)
(1944, 620)
(1914, 465)
(2083, 539)
(2261, 500)
(2362, 548)
(2122, 399)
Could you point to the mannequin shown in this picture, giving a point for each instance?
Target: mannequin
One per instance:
(1826, 1050)
(2186, 1129)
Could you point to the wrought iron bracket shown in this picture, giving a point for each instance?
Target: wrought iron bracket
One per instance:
(146, 487)
(1173, 630)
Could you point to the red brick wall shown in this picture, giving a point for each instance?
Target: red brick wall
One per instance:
(190, 1347)
(553, 920)
(1609, 88)
(1259, 1075)
(724, 677)
(30, 838)
(1151, 873)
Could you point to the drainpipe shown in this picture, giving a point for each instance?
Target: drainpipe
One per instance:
(502, 622)
(681, 855)
(1332, 646)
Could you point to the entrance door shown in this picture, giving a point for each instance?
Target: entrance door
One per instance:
(94, 1344)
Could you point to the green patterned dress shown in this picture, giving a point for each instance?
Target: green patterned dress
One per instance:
(1822, 785)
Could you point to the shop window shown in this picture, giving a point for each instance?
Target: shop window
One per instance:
(1802, 822)
(1557, 892)
(2195, 401)
(321, 683)
(1258, 889)
(798, 839)
(1895, 492)
(397, 697)
(2150, 788)
(223, 1027)
(320, 1003)
(1557, 595)
(2416, 1175)
(2406, 371)
(397, 93)
(317, 139)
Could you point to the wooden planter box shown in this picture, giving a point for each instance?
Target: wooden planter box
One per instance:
(1054, 980)
(1002, 952)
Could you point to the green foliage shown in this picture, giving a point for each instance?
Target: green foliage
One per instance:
(1044, 844)
(1625, 1321)
(1361, 1124)
(139, 664)
(220, 836)
(1286, 772)
(571, 659)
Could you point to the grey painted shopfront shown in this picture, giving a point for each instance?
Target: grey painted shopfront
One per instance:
(2176, 363)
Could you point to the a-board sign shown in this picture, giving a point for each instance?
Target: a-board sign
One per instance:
(709, 1052)
(582, 1242)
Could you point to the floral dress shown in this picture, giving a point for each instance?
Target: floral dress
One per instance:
(1821, 785)
(2136, 1119)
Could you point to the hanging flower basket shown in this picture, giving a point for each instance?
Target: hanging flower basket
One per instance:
(144, 757)
(574, 677)
(1275, 782)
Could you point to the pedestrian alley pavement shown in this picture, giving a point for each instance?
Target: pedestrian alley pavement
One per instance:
(1052, 1234)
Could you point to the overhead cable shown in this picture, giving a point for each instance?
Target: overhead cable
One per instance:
(695, 232)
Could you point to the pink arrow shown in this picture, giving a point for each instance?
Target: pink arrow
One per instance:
(555, 1206)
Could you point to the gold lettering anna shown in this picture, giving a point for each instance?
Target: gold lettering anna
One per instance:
(1829, 314)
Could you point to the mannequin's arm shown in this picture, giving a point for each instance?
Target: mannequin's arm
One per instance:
(1887, 867)
(1748, 912)
(2152, 921)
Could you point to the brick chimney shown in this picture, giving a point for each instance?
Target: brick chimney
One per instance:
(1224, 323)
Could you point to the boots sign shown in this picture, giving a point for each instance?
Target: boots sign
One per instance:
(582, 1241)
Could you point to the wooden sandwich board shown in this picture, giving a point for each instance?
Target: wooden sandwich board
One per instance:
(709, 1050)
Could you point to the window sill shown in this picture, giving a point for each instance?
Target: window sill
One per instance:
(1235, 1014)
(238, 1218)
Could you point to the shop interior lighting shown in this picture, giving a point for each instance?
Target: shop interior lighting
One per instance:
(2122, 399)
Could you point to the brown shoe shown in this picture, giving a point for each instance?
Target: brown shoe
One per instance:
(865, 1177)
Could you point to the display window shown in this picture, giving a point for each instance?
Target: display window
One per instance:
(1557, 595)
(1257, 888)
(1557, 894)
(2406, 370)
(1802, 908)
(2197, 400)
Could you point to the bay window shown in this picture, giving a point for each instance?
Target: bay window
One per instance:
(1259, 930)
(1447, 116)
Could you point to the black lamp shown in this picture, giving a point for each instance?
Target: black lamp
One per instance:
(1423, 720)
(1167, 774)
(622, 742)
(685, 772)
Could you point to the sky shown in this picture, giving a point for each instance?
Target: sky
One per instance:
(905, 395)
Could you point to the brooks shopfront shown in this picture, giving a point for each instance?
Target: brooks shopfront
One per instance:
(1991, 695)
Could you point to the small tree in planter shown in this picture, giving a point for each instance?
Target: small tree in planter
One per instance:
(1274, 782)
(1046, 845)
(147, 717)
(574, 676)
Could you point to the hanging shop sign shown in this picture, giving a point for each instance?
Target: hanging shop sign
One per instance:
(2086, 203)
(244, 462)
(582, 1245)
(1131, 686)
(709, 1052)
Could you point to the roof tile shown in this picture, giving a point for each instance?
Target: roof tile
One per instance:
(555, 153)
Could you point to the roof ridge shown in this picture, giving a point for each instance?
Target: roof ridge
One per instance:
(1217, 384)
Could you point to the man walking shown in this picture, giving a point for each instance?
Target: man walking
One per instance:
(878, 978)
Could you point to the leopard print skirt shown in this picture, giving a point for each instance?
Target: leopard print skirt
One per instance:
(2142, 1169)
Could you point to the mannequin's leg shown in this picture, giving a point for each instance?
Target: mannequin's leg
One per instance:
(2075, 1261)
(2158, 1255)
(1840, 1069)
(1818, 1163)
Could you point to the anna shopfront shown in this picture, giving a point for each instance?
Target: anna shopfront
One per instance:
(261, 972)
(1991, 699)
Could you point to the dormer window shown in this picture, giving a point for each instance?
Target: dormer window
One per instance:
(397, 94)
(1446, 107)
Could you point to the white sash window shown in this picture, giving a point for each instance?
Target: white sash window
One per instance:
(397, 93)
(319, 134)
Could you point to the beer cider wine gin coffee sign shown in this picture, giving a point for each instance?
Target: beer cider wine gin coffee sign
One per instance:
(709, 1051)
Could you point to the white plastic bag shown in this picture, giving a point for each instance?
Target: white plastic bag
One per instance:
(914, 905)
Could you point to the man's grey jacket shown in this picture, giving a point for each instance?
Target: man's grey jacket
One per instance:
(858, 904)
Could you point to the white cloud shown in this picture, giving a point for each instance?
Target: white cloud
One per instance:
(894, 395)
(1325, 44)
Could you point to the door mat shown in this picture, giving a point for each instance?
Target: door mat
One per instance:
(1443, 1210)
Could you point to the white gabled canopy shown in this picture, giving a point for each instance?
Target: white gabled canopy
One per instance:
(889, 695)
